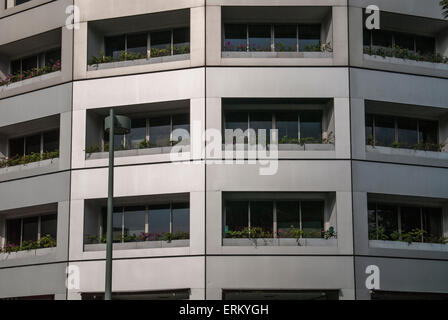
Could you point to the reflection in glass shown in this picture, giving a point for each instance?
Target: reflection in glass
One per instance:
(381, 38)
(13, 231)
(285, 38)
(312, 213)
(160, 131)
(311, 126)
(115, 46)
(262, 215)
(48, 225)
(235, 37)
(51, 141)
(134, 221)
(160, 43)
(259, 38)
(181, 217)
(384, 131)
(237, 217)
(407, 132)
(30, 229)
(287, 217)
(410, 219)
(181, 41)
(32, 144)
(309, 38)
(16, 147)
(137, 134)
(404, 41)
(428, 132)
(181, 121)
(387, 218)
(137, 44)
(287, 123)
(261, 121)
(159, 220)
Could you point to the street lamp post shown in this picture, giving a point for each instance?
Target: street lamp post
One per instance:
(114, 125)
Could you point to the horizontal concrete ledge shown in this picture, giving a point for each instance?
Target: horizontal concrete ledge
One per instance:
(289, 147)
(385, 244)
(138, 62)
(407, 62)
(26, 254)
(284, 55)
(26, 82)
(408, 152)
(32, 165)
(266, 242)
(138, 245)
(134, 152)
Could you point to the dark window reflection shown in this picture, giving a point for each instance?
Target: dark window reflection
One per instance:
(30, 229)
(261, 121)
(32, 144)
(13, 231)
(381, 38)
(309, 38)
(51, 141)
(160, 131)
(237, 217)
(287, 123)
(259, 38)
(387, 218)
(285, 38)
(384, 131)
(287, 217)
(115, 46)
(134, 221)
(159, 220)
(410, 219)
(235, 37)
(137, 134)
(405, 41)
(262, 215)
(181, 217)
(16, 147)
(137, 43)
(407, 132)
(160, 43)
(312, 218)
(48, 225)
(311, 125)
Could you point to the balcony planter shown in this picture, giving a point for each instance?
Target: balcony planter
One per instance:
(319, 147)
(385, 244)
(407, 62)
(28, 166)
(310, 242)
(33, 80)
(290, 147)
(27, 254)
(137, 62)
(138, 245)
(270, 55)
(133, 152)
(408, 152)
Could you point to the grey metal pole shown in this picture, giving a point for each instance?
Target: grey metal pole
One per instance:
(110, 209)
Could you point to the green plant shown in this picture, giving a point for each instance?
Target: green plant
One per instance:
(93, 149)
(378, 234)
(310, 140)
(179, 235)
(370, 141)
(425, 146)
(156, 52)
(127, 56)
(102, 58)
(47, 241)
(33, 157)
(181, 49)
(130, 238)
(144, 144)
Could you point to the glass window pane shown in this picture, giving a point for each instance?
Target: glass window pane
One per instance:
(381, 38)
(115, 46)
(159, 221)
(384, 131)
(160, 43)
(237, 120)
(410, 219)
(405, 41)
(138, 133)
(181, 121)
(160, 131)
(428, 132)
(312, 218)
(117, 224)
(181, 40)
(387, 218)
(369, 130)
(425, 45)
(32, 144)
(16, 147)
(311, 126)
(118, 142)
(15, 67)
(181, 217)
(367, 36)
(48, 226)
(51, 141)
(287, 217)
(285, 36)
(235, 37)
(13, 231)
(237, 218)
(30, 230)
(287, 123)
(137, 44)
(432, 224)
(407, 132)
(259, 38)
(134, 222)
(52, 57)
(262, 216)
(373, 235)
(29, 63)
(261, 121)
(309, 38)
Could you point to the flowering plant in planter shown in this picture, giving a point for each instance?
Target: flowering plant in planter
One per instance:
(181, 49)
(28, 74)
(33, 157)
(46, 241)
(229, 46)
(156, 52)
(250, 233)
(406, 54)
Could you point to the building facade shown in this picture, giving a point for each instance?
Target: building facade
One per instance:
(361, 186)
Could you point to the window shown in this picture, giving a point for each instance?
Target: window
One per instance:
(17, 2)
(293, 126)
(151, 132)
(272, 37)
(150, 222)
(45, 62)
(280, 295)
(115, 46)
(267, 219)
(405, 223)
(30, 229)
(400, 132)
(40, 143)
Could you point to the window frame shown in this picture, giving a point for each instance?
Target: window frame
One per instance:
(41, 58)
(39, 233)
(42, 142)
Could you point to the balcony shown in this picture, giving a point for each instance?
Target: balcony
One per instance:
(31, 60)
(409, 131)
(407, 224)
(303, 125)
(139, 40)
(139, 223)
(30, 145)
(279, 220)
(28, 233)
(155, 129)
(280, 295)
(182, 294)
(295, 32)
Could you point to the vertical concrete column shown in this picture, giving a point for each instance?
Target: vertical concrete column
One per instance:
(344, 221)
(197, 294)
(214, 220)
(66, 54)
(214, 123)
(197, 36)
(9, 4)
(356, 35)
(197, 128)
(76, 229)
(342, 127)
(197, 222)
(213, 37)
(358, 129)
(340, 36)
(79, 139)
(65, 139)
(80, 52)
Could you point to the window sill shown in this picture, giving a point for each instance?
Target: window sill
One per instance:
(266, 242)
(28, 166)
(407, 62)
(27, 82)
(27, 254)
(138, 245)
(138, 62)
(386, 244)
(284, 55)
(407, 152)
(293, 147)
(134, 152)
